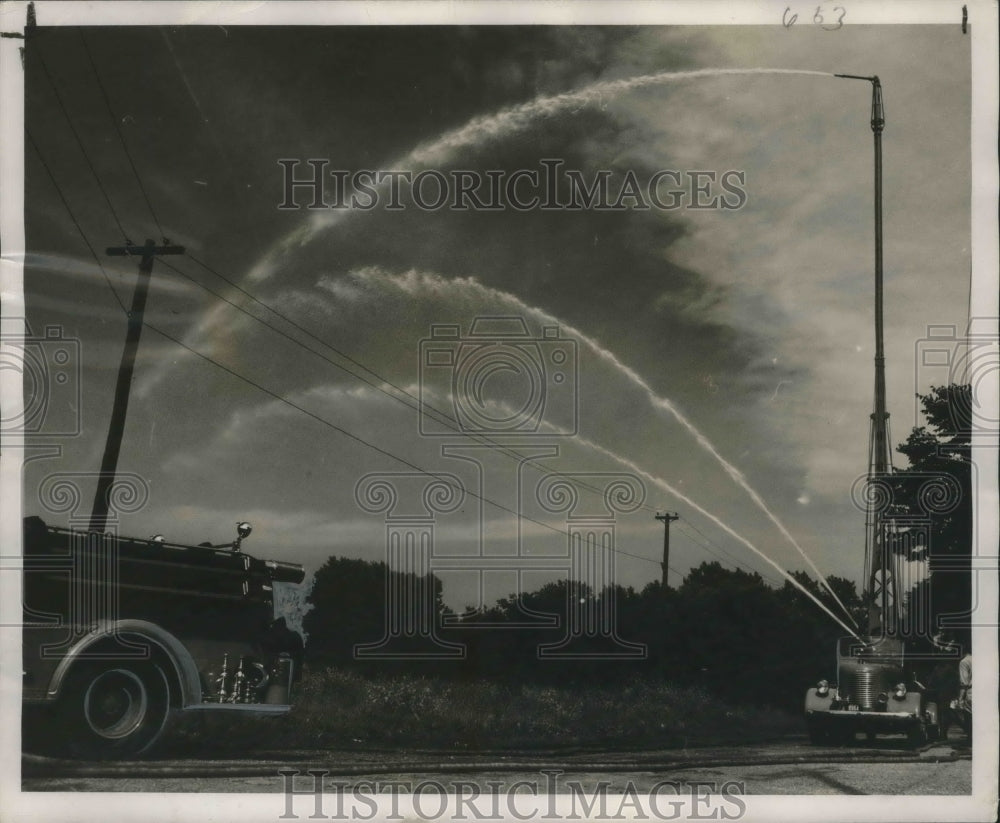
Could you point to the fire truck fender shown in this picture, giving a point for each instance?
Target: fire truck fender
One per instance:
(913, 703)
(166, 646)
(815, 702)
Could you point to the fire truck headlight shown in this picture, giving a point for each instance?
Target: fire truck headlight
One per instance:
(822, 688)
(900, 692)
(243, 530)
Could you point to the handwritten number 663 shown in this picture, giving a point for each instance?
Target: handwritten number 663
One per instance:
(789, 18)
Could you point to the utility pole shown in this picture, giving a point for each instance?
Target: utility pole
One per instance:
(667, 518)
(116, 429)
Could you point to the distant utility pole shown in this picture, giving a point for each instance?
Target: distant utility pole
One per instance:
(667, 518)
(116, 429)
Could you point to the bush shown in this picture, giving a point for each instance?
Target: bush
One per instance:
(337, 708)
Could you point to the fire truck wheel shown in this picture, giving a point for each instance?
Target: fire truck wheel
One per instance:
(115, 709)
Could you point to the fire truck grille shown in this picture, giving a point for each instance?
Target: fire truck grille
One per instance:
(861, 686)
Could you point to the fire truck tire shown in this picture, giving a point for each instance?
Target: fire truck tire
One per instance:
(114, 709)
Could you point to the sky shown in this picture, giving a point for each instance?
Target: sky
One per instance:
(712, 350)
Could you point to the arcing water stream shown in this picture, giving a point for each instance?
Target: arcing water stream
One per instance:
(722, 525)
(506, 123)
(502, 124)
(432, 283)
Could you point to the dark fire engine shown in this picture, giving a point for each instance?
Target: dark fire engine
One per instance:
(121, 634)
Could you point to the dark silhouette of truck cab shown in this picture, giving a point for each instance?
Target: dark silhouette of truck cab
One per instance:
(121, 634)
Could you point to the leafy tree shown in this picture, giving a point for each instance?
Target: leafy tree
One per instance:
(349, 604)
(845, 590)
(938, 484)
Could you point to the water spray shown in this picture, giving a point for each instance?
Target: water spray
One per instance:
(663, 484)
(512, 120)
(437, 284)
(496, 126)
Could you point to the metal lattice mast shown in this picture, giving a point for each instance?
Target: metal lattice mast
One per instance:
(880, 582)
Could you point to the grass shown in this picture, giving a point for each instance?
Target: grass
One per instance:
(340, 709)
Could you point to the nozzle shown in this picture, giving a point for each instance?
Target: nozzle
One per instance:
(878, 112)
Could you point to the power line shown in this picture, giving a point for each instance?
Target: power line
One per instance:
(267, 391)
(363, 441)
(706, 542)
(72, 217)
(254, 384)
(121, 137)
(444, 420)
(441, 417)
(279, 397)
(421, 407)
(418, 406)
(79, 142)
(275, 395)
(282, 399)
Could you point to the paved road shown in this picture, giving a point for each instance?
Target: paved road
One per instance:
(786, 767)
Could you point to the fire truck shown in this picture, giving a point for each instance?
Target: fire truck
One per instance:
(874, 693)
(877, 689)
(121, 635)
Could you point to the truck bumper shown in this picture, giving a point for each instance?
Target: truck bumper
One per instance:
(863, 720)
(245, 708)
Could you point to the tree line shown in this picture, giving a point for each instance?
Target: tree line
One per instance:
(726, 630)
